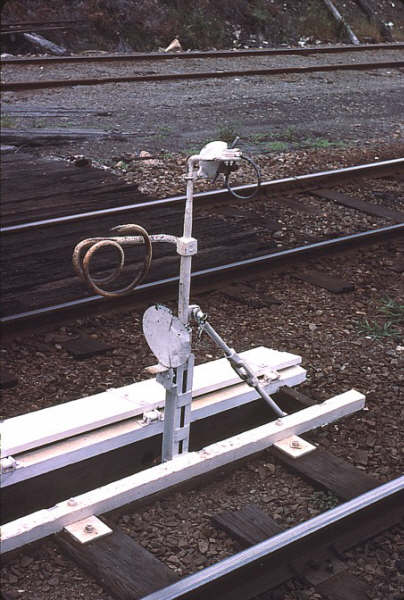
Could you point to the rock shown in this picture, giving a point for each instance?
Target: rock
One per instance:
(82, 161)
(203, 546)
(26, 561)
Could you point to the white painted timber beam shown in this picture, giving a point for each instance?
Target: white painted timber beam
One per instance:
(105, 439)
(185, 466)
(72, 418)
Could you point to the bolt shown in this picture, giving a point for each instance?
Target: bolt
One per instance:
(89, 528)
(72, 502)
(295, 444)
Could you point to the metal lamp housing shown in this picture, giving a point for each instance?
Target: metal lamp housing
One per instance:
(210, 159)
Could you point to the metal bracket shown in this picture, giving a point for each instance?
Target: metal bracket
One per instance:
(152, 416)
(166, 379)
(294, 446)
(187, 246)
(88, 530)
(8, 464)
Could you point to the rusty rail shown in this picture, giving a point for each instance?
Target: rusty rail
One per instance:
(250, 52)
(15, 86)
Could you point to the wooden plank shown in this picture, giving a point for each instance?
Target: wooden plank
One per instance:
(243, 294)
(52, 111)
(330, 472)
(361, 205)
(249, 525)
(345, 586)
(324, 280)
(85, 346)
(119, 564)
(37, 137)
(57, 455)
(72, 418)
(366, 528)
(183, 467)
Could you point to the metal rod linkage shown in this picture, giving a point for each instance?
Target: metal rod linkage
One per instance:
(240, 366)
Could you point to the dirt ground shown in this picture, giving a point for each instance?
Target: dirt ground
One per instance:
(271, 114)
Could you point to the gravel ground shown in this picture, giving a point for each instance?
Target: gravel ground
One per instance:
(325, 330)
(163, 175)
(52, 71)
(362, 110)
(273, 113)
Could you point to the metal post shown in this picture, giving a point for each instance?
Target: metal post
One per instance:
(186, 261)
(177, 412)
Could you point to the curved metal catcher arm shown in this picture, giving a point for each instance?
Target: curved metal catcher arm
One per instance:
(85, 250)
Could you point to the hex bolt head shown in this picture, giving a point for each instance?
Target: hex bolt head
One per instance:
(295, 444)
(89, 528)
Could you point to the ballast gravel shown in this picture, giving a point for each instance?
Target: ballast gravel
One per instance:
(329, 331)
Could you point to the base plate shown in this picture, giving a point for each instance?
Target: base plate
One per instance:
(87, 530)
(294, 446)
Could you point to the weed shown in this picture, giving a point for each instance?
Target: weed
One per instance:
(227, 132)
(123, 166)
(191, 150)
(39, 123)
(164, 130)
(393, 310)
(376, 329)
(7, 122)
(275, 146)
(321, 143)
(258, 138)
(317, 143)
(289, 134)
(168, 155)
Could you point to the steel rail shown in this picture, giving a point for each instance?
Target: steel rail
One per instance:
(206, 54)
(14, 86)
(201, 584)
(258, 261)
(306, 182)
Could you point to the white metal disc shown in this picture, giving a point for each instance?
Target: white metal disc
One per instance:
(167, 336)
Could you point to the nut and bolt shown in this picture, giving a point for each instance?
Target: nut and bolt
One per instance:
(295, 444)
(89, 528)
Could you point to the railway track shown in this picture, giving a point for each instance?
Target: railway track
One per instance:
(312, 551)
(273, 557)
(54, 290)
(157, 56)
(264, 566)
(14, 86)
